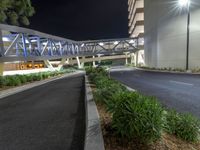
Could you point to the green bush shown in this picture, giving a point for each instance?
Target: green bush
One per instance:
(137, 116)
(2, 81)
(37, 77)
(12, 81)
(184, 126)
(22, 78)
(29, 78)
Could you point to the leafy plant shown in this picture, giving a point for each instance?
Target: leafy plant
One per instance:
(184, 126)
(12, 81)
(137, 116)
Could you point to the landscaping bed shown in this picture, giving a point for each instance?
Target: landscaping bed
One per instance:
(10, 81)
(132, 121)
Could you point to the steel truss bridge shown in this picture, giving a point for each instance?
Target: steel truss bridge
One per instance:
(21, 44)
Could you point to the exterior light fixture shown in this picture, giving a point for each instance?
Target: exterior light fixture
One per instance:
(82, 45)
(101, 44)
(116, 42)
(184, 3)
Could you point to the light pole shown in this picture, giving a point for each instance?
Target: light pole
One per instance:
(186, 3)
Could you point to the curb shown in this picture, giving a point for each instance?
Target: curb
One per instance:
(163, 71)
(93, 134)
(18, 89)
(128, 88)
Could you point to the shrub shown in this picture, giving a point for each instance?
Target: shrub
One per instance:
(2, 81)
(37, 77)
(22, 78)
(137, 116)
(184, 126)
(12, 81)
(29, 78)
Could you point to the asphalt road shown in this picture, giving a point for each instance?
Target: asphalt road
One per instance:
(48, 117)
(177, 91)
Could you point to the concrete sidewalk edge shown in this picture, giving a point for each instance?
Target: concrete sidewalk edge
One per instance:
(18, 89)
(163, 71)
(93, 137)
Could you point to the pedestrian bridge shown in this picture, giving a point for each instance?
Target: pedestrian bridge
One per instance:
(21, 44)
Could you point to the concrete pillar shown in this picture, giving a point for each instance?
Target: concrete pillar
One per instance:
(126, 61)
(99, 60)
(78, 62)
(94, 65)
(137, 53)
(62, 62)
(49, 65)
(132, 58)
(83, 62)
(67, 61)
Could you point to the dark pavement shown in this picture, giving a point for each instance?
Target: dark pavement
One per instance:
(48, 117)
(177, 91)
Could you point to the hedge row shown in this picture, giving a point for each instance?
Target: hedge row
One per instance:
(16, 80)
(135, 116)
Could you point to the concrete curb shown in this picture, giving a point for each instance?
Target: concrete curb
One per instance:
(18, 89)
(93, 136)
(128, 88)
(163, 71)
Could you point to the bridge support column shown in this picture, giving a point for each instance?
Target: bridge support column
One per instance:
(136, 58)
(49, 65)
(78, 62)
(132, 58)
(62, 62)
(83, 62)
(126, 59)
(94, 64)
(99, 59)
(67, 61)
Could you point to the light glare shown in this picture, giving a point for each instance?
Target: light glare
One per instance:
(183, 3)
(101, 44)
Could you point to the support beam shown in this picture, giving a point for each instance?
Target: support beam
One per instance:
(126, 61)
(94, 65)
(62, 62)
(83, 62)
(132, 58)
(49, 65)
(137, 53)
(99, 55)
(78, 62)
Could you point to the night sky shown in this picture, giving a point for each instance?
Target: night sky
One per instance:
(81, 19)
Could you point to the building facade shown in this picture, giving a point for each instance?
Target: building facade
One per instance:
(136, 24)
(165, 29)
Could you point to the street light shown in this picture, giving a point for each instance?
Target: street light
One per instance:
(186, 3)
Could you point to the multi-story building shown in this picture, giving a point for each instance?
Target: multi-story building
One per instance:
(136, 24)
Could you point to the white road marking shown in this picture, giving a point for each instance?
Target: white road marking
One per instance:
(184, 83)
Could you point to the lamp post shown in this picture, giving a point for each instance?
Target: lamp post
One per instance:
(186, 3)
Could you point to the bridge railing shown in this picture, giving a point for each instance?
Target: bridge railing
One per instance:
(18, 43)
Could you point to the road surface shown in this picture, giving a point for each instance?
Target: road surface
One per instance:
(177, 91)
(47, 117)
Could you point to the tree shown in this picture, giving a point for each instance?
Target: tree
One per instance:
(16, 11)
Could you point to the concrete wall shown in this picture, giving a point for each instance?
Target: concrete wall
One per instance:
(165, 34)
